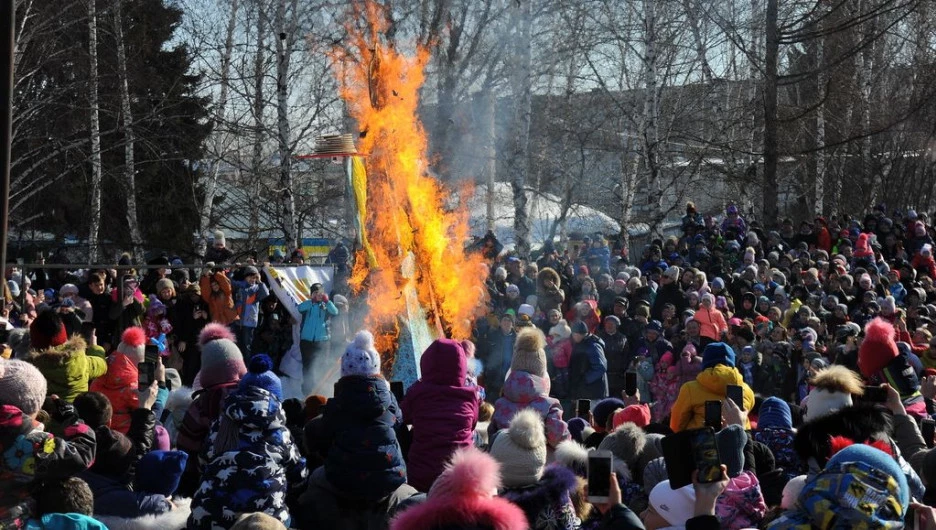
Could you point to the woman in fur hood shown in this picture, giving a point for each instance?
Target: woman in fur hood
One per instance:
(549, 294)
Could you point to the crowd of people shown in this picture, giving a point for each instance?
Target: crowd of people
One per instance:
(825, 327)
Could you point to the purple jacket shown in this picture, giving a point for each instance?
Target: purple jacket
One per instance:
(441, 409)
(523, 390)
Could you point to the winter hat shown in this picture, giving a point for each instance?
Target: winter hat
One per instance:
(579, 429)
(173, 379)
(774, 414)
(574, 456)
(133, 343)
(579, 327)
(675, 506)
(900, 374)
(219, 238)
(512, 289)
(604, 409)
(716, 353)
(22, 386)
(164, 283)
(222, 361)
(160, 471)
(561, 330)
(360, 357)
(888, 305)
(832, 391)
(672, 272)
(791, 492)
(529, 352)
(878, 348)
(114, 453)
(260, 375)
(718, 283)
(526, 309)
(625, 442)
(639, 415)
(521, 450)
(250, 270)
(731, 441)
(161, 440)
(872, 462)
(470, 474)
(258, 521)
(47, 331)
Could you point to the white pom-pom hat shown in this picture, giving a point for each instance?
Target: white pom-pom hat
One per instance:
(361, 358)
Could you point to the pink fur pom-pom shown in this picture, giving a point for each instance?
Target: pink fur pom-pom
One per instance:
(470, 473)
(214, 331)
(133, 337)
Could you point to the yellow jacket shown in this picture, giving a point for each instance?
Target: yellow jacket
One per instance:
(710, 385)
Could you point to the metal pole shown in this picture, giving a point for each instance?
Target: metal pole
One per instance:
(6, 122)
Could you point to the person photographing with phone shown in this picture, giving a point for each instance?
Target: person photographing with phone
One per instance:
(717, 375)
(314, 336)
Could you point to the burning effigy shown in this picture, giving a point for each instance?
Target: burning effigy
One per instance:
(419, 281)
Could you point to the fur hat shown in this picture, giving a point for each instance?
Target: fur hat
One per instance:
(791, 492)
(222, 361)
(832, 391)
(258, 521)
(813, 440)
(529, 352)
(133, 343)
(22, 385)
(574, 456)
(360, 357)
(260, 374)
(561, 330)
(878, 348)
(625, 442)
(521, 449)
(47, 331)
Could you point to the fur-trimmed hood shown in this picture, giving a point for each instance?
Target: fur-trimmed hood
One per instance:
(171, 520)
(858, 423)
(546, 274)
(58, 355)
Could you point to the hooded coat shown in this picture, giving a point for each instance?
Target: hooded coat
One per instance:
(69, 368)
(549, 298)
(119, 384)
(364, 460)
(523, 390)
(252, 472)
(710, 385)
(442, 410)
(548, 503)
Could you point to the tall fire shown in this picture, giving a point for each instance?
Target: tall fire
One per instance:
(419, 281)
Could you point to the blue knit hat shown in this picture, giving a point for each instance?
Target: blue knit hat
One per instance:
(775, 413)
(718, 353)
(260, 374)
(160, 471)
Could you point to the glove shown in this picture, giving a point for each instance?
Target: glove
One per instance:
(61, 411)
(324, 298)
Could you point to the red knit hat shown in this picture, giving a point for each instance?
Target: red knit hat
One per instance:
(878, 348)
(639, 415)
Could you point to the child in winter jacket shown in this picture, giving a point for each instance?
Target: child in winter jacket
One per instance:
(250, 458)
(665, 386)
(119, 384)
(68, 365)
(247, 297)
(364, 460)
(560, 351)
(442, 410)
(527, 387)
(30, 456)
(157, 321)
(689, 364)
(216, 292)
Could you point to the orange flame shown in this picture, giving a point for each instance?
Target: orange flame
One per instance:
(405, 210)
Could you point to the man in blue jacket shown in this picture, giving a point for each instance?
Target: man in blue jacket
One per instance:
(588, 368)
(313, 336)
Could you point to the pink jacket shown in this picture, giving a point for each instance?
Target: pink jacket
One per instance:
(523, 390)
(712, 322)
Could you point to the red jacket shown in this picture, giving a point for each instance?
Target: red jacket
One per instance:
(119, 384)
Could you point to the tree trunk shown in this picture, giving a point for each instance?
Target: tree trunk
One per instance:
(819, 204)
(865, 87)
(211, 176)
(283, 53)
(649, 126)
(253, 227)
(489, 153)
(771, 153)
(136, 238)
(94, 251)
(521, 85)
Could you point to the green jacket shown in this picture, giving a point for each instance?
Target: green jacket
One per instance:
(69, 368)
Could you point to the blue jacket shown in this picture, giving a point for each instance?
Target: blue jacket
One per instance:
(251, 462)
(588, 369)
(364, 460)
(314, 320)
(247, 300)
